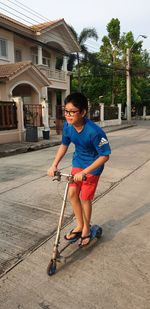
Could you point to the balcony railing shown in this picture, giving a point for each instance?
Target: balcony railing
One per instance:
(59, 75)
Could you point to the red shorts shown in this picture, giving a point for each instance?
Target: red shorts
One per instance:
(86, 188)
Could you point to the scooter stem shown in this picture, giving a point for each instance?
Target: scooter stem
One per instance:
(56, 243)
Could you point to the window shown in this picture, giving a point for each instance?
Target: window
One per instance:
(3, 48)
(18, 55)
(46, 61)
(34, 59)
(46, 57)
(34, 55)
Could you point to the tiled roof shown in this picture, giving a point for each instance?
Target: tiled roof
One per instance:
(7, 18)
(45, 25)
(32, 31)
(8, 70)
(37, 27)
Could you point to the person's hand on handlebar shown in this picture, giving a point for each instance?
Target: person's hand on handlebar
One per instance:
(79, 176)
(51, 171)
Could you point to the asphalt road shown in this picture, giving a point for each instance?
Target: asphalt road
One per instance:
(112, 274)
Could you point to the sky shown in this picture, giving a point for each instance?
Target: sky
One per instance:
(134, 15)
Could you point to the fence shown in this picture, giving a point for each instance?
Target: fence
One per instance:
(8, 115)
(111, 112)
(32, 115)
(98, 113)
(148, 110)
(59, 118)
(110, 115)
(104, 115)
(94, 113)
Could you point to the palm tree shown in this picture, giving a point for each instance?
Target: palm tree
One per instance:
(85, 34)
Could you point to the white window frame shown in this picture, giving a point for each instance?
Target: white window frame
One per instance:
(34, 58)
(3, 55)
(18, 50)
(46, 61)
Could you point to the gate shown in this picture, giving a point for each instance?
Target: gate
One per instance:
(59, 119)
(8, 115)
(32, 115)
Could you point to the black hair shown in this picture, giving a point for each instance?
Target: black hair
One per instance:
(78, 100)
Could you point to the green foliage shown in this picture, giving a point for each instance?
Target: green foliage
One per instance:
(85, 34)
(113, 29)
(104, 73)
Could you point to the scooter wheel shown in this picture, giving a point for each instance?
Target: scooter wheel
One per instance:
(51, 268)
(99, 232)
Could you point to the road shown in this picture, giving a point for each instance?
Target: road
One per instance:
(29, 209)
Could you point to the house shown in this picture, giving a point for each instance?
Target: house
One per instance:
(33, 75)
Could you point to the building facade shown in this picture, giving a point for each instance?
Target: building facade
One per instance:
(33, 72)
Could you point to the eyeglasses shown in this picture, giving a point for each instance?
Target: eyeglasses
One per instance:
(71, 113)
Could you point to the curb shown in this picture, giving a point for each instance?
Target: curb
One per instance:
(27, 148)
(23, 148)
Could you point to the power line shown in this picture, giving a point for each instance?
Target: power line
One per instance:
(120, 71)
(30, 18)
(37, 14)
(51, 36)
(101, 65)
(11, 13)
(93, 43)
(92, 47)
(27, 9)
(17, 12)
(108, 75)
(36, 41)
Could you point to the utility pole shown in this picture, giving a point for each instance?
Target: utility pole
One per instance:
(128, 76)
(128, 83)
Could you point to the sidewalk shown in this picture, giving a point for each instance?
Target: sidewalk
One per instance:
(10, 149)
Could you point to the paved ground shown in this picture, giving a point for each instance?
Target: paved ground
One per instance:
(111, 273)
(26, 215)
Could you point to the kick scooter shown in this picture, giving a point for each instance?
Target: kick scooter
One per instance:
(95, 230)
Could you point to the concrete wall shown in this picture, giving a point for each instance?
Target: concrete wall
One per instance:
(105, 123)
(16, 135)
(145, 116)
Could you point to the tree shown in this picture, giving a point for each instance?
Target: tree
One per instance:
(95, 78)
(113, 54)
(104, 73)
(109, 51)
(85, 34)
(140, 61)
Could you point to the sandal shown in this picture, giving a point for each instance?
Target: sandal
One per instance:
(82, 238)
(76, 236)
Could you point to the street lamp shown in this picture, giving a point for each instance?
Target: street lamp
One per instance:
(128, 76)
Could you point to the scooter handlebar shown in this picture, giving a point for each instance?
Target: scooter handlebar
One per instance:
(59, 174)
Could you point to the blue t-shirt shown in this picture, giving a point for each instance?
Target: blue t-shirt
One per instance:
(90, 144)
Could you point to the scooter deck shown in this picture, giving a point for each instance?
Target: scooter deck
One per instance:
(95, 230)
(71, 250)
